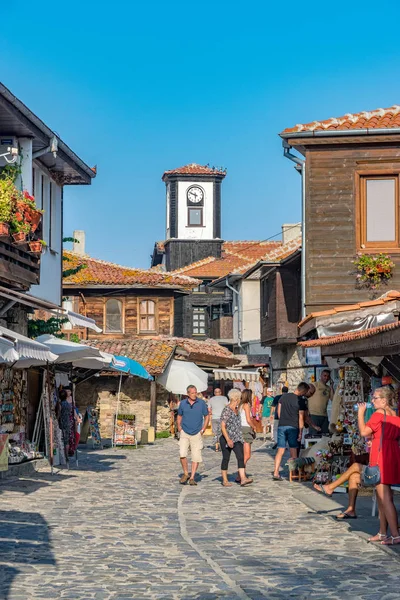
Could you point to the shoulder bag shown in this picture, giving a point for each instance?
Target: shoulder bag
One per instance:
(372, 474)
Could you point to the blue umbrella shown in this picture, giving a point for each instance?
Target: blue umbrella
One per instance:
(126, 365)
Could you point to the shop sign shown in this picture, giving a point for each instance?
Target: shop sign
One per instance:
(313, 356)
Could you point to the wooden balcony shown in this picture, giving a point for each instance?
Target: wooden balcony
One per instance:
(18, 267)
(221, 329)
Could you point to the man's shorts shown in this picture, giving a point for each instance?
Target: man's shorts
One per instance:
(214, 425)
(288, 435)
(265, 421)
(194, 443)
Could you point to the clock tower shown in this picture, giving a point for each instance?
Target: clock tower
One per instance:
(193, 229)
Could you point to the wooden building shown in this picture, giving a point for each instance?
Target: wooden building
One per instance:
(124, 302)
(352, 203)
(350, 168)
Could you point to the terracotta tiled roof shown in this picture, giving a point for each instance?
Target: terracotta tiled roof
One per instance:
(349, 337)
(388, 297)
(154, 353)
(100, 272)
(195, 169)
(236, 257)
(381, 118)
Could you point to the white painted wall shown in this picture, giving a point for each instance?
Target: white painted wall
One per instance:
(167, 220)
(196, 233)
(250, 306)
(48, 197)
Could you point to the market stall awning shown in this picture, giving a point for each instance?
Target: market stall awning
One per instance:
(21, 351)
(236, 375)
(126, 365)
(66, 350)
(75, 319)
(93, 362)
(180, 374)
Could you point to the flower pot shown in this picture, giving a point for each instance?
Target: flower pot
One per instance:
(35, 220)
(4, 229)
(19, 238)
(35, 246)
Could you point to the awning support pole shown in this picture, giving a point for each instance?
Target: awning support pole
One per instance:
(153, 405)
(117, 411)
(51, 441)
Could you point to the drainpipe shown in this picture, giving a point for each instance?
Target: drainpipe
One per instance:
(302, 164)
(237, 307)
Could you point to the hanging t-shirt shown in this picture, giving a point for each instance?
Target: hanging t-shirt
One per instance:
(290, 406)
(318, 402)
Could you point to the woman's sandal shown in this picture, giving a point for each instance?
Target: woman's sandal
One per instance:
(344, 515)
(392, 542)
(377, 538)
(318, 487)
(247, 482)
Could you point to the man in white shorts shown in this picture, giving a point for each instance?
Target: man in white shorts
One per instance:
(192, 421)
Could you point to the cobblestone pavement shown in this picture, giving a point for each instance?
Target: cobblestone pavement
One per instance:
(122, 527)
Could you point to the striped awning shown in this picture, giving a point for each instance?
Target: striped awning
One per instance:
(236, 375)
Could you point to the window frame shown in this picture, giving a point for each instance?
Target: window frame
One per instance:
(201, 209)
(361, 211)
(141, 331)
(122, 301)
(203, 310)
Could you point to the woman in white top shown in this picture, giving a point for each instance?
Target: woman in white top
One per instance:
(248, 425)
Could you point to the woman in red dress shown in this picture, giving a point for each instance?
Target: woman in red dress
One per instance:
(388, 459)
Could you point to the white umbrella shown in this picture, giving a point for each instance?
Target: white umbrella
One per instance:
(180, 374)
(67, 351)
(103, 362)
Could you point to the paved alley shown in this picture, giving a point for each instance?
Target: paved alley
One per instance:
(122, 527)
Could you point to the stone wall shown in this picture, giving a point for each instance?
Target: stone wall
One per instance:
(102, 392)
(288, 365)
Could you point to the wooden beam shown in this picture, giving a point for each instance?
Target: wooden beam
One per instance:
(153, 405)
(364, 367)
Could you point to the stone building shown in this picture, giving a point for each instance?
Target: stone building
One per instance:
(154, 354)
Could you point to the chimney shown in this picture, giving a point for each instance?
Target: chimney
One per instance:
(79, 244)
(290, 231)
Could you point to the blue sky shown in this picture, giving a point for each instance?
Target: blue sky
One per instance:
(139, 88)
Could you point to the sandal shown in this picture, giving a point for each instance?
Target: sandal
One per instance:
(392, 542)
(344, 515)
(318, 487)
(246, 482)
(277, 478)
(377, 538)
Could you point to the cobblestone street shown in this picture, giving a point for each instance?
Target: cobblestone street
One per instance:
(122, 527)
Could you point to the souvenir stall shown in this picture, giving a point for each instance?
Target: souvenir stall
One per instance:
(245, 379)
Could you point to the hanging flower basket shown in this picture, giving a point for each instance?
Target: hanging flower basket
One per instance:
(4, 229)
(36, 247)
(19, 237)
(373, 270)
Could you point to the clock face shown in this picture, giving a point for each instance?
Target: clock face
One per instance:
(195, 194)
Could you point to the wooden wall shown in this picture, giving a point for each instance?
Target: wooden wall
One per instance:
(331, 220)
(92, 305)
(281, 311)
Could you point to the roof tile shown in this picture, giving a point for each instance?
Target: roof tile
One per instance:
(99, 272)
(154, 353)
(388, 297)
(349, 337)
(195, 169)
(381, 118)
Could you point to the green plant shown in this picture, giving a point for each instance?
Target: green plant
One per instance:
(373, 270)
(7, 190)
(162, 434)
(74, 337)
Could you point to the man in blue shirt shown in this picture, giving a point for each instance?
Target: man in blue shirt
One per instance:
(193, 419)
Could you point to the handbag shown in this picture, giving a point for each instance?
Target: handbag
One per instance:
(372, 474)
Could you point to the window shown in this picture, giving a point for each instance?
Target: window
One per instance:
(147, 315)
(199, 320)
(113, 316)
(195, 217)
(378, 205)
(220, 310)
(264, 297)
(203, 286)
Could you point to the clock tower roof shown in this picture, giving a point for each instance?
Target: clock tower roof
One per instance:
(197, 170)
